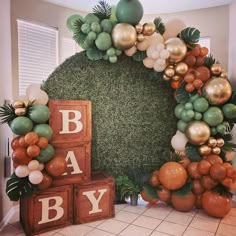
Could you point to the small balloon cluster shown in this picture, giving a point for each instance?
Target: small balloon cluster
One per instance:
(33, 157)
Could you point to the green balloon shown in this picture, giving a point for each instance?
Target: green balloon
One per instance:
(229, 111)
(46, 154)
(43, 130)
(90, 18)
(181, 125)
(103, 41)
(21, 125)
(190, 114)
(221, 129)
(213, 131)
(178, 110)
(188, 106)
(213, 116)
(185, 117)
(197, 116)
(106, 25)
(39, 113)
(200, 105)
(194, 97)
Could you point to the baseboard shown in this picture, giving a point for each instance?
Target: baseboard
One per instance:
(8, 216)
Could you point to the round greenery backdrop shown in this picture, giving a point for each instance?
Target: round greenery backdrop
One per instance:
(132, 110)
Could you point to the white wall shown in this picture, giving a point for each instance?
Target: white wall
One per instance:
(5, 93)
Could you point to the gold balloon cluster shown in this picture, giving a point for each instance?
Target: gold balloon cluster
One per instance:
(217, 70)
(145, 30)
(21, 107)
(213, 146)
(175, 72)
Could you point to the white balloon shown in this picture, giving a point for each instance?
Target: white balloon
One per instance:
(148, 62)
(41, 166)
(155, 39)
(155, 55)
(35, 177)
(130, 52)
(22, 171)
(164, 54)
(179, 141)
(33, 165)
(160, 47)
(142, 46)
(151, 50)
(39, 97)
(173, 28)
(161, 62)
(159, 67)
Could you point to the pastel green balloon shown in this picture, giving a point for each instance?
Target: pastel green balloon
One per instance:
(213, 116)
(178, 110)
(200, 105)
(39, 113)
(181, 125)
(21, 125)
(46, 154)
(43, 130)
(229, 110)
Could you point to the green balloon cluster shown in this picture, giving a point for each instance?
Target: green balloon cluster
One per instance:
(198, 108)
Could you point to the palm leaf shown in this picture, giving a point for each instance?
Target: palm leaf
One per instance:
(192, 153)
(102, 10)
(7, 114)
(209, 61)
(184, 191)
(80, 39)
(190, 36)
(160, 27)
(181, 95)
(229, 147)
(77, 25)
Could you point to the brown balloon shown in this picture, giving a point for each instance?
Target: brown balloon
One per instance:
(181, 68)
(46, 182)
(202, 73)
(57, 166)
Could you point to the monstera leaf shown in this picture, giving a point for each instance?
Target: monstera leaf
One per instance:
(95, 54)
(185, 190)
(182, 96)
(190, 36)
(139, 56)
(150, 191)
(160, 27)
(192, 153)
(19, 187)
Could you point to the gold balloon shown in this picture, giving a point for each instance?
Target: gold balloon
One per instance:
(216, 150)
(124, 36)
(177, 49)
(204, 150)
(139, 28)
(149, 28)
(216, 69)
(212, 142)
(20, 111)
(140, 37)
(176, 78)
(224, 74)
(165, 77)
(181, 68)
(197, 132)
(220, 142)
(18, 104)
(217, 90)
(169, 71)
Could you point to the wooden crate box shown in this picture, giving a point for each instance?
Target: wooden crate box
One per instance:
(47, 210)
(94, 200)
(70, 121)
(78, 164)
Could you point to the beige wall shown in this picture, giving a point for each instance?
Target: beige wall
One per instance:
(5, 93)
(213, 22)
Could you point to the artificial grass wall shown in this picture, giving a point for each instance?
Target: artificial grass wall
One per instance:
(132, 109)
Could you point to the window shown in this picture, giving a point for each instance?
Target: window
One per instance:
(37, 53)
(67, 48)
(205, 42)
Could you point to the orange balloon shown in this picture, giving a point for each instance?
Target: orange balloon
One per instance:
(22, 142)
(31, 138)
(15, 143)
(147, 199)
(174, 84)
(202, 73)
(42, 142)
(56, 166)
(20, 156)
(33, 150)
(46, 182)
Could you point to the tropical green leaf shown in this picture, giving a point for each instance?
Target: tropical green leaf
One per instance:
(94, 54)
(190, 36)
(150, 191)
(74, 23)
(209, 61)
(160, 26)
(191, 151)
(184, 191)
(181, 95)
(7, 114)
(139, 56)
(233, 98)
(80, 39)
(229, 147)
(102, 10)
(19, 187)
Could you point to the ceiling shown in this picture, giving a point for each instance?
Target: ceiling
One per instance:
(150, 6)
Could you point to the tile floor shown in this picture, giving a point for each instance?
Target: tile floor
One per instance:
(144, 220)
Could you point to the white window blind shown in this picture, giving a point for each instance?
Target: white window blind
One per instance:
(37, 53)
(67, 48)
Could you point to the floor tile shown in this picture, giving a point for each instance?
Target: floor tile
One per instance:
(135, 209)
(98, 232)
(10, 230)
(113, 226)
(75, 230)
(203, 224)
(229, 220)
(197, 232)
(94, 224)
(156, 233)
(179, 218)
(50, 233)
(134, 230)
(171, 228)
(203, 215)
(147, 222)
(189, 213)
(126, 217)
(158, 213)
(227, 230)
(119, 207)
(232, 212)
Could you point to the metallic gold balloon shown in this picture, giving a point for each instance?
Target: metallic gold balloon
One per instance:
(220, 142)
(197, 132)
(149, 28)
(139, 28)
(204, 150)
(18, 104)
(165, 77)
(216, 69)
(124, 36)
(216, 150)
(140, 37)
(169, 71)
(224, 74)
(20, 111)
(181, 68)
(217, 90)
(177, 49)
(176, 78)
(212, 142)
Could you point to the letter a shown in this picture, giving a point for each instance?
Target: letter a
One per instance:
(71, 156)
(94, 201)
(46, 208)
(66, 121)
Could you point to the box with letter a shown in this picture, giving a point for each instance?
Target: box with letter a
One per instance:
(94, 200)
(47, 210)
